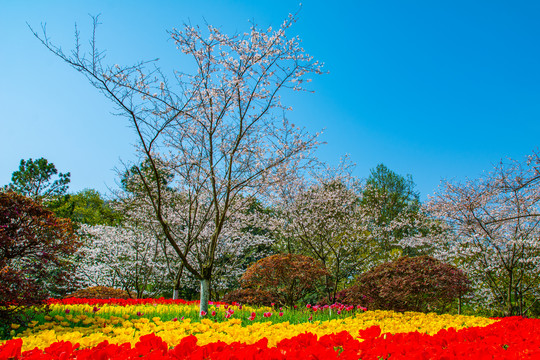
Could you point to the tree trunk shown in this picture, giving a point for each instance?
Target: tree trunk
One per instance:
(509, 295)
(459, 305)
(176, 290)
(205, 294)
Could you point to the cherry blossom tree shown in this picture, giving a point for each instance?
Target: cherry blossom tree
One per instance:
(242, 241)
(122, 257)
(216, 130)
(334, 218)
(496, 234)
(324, 220)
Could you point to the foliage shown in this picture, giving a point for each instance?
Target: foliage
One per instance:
(393, 190)
(392, 205)
(493, 233)
(34, 179)
(34, 250)
(288, 276)
(251, 297)
(85, 207)
(100, 292)
(410, 284)
(36, 242)
(20, 298)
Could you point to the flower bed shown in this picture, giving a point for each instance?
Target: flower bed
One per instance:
(153, 329)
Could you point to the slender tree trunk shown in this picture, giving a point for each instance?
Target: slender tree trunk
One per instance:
(509, 295)
(176, 290)
(521, 296)
(459, 305)
(205, 295)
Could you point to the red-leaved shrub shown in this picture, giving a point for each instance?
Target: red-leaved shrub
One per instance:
(287, 276)
(100, 292)
(34, 249)
(251, 297)
(420, 283)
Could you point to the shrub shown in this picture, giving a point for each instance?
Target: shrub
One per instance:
(20, 299)
(35, 247)
(100, 292)
(251, 297)
(410, 284)
(288, 276)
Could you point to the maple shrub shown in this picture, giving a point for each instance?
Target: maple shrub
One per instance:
(100, 292)
(251, 297)
(34, 250)
(420, 283)
(288, 276)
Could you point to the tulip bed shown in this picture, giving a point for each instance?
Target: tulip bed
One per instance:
(173, 329)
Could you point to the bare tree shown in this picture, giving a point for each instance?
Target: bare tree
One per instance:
(215, 130)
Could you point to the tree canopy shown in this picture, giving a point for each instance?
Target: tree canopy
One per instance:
(35, 179)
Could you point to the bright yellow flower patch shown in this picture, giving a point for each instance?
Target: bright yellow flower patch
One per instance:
(118, 330)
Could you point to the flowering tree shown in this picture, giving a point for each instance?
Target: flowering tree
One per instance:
(324, 220)
(495, 222)
(122, 257)
(241, 242)
(347, 226)
(216, 129)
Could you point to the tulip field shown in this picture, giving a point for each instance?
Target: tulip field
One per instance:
(173, 329)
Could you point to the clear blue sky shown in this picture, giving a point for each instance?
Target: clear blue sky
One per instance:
(435, 89)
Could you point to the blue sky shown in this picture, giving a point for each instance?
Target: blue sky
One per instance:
(435, 89)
